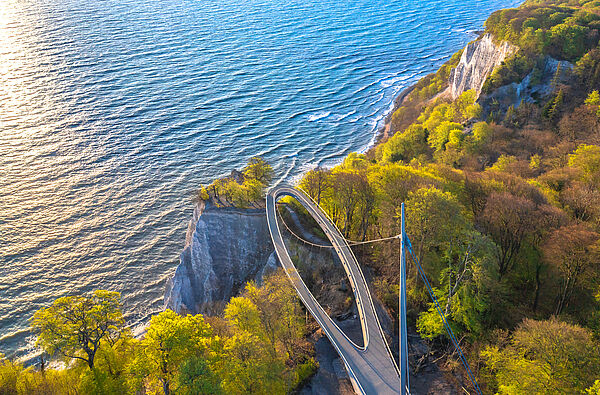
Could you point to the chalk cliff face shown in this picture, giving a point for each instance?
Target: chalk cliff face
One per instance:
(225, 248)
(553, 73)
(476, 63)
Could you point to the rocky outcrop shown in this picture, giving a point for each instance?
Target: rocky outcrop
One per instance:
(476, 63)
(225, 248)
(538, 84)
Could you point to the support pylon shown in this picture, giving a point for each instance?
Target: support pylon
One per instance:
(403, 338)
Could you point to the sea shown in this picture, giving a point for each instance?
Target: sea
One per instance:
(113, 112)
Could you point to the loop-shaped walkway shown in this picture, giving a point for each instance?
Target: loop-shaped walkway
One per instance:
(371, 368)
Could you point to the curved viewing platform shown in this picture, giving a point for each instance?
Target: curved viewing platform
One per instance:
(371, 368)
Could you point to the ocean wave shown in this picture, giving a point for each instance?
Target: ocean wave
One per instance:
(319, 115)
(109, 119)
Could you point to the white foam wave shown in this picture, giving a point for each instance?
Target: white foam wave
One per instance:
(318, 115)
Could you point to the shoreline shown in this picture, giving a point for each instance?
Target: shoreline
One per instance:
(384, 131)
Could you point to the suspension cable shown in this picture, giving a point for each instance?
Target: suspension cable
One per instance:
(350, 242)
(298, 237)
(446, 325)
(462, 357)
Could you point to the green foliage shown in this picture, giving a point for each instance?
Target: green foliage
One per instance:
(439, 128)
(594, 389)
(305, 371)
(259, 348)
(462, 263)
(545, 357)
(513, 69)
(429, 86)
(241, 189)
(248, 369)
(258, 170)
(196, 377)
(434, 218)
(562, 31)
(315, 183)
(503, 163)
(480, 135)
(242, 313)
(404, 146)
(170, 341)
(77, 326)
(9, 375)
(269, 330)
(553, 106)
(586, 158)
(588, 68)
(16, 379)
(593, 98)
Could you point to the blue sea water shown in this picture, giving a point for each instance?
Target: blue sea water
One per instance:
(113, 112)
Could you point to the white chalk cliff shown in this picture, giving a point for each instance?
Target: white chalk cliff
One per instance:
(476, 63)
(225, 248)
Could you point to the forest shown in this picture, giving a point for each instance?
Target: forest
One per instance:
(503, 209)
(257, 346)
(503, 212)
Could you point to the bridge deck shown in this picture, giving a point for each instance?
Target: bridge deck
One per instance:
(371, 368)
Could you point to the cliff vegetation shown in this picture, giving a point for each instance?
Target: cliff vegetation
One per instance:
(258, 346)
(503, 206)
(241, 189)
(502, 194)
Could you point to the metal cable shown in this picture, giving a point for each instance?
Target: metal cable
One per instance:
(298, 237)
(446, 325)
(350, 242)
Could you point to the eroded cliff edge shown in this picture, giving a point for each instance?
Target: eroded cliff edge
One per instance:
(225, 248)
(476, 63)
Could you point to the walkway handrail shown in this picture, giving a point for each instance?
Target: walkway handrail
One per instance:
(367, 365)
(363, 278)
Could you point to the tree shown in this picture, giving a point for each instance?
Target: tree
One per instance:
(549, 219)
(594, 389)
(9, 375)
(508, 220)
(346, 198)
(572, 249)
(545, 357)
(267, 334)
(316, 182)
(463, 287)
(579, 124)
(552, 108)
(170, 341)
(280, 314)
(433, 218)
(246, 368)
(588, 68)
(196, 377)
(440, 136)
(587, 159)
(593, 98)
(17, 379)
(582, 200)
(242, 313)
(111, 368)
(404, 146)
(259, 170)
(77, 326)
(366, 206)
(480, 135)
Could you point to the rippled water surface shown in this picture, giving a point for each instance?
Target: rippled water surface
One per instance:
(112, 112)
